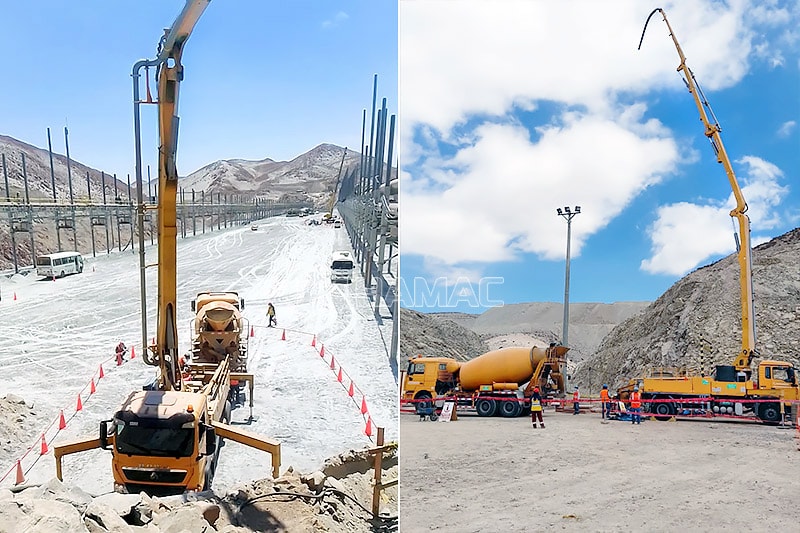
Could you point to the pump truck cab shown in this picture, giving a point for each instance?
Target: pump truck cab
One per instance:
(731, 389)
(491, 382)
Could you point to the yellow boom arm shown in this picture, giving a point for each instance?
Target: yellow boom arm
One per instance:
(712, 131)
(170, 74)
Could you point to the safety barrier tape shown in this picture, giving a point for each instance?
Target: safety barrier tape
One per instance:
(699, 399)
(43, 441)
(335, 366)
(685, 412)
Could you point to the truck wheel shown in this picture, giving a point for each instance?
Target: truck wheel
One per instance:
(508, 409)
(486, 407)
(663, 411)
(770, 413)
(419, 405)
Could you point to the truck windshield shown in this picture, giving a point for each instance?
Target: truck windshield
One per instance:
(158, 442)
(342, 265)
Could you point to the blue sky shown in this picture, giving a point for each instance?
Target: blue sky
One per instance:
(523, 107)
(262, 78)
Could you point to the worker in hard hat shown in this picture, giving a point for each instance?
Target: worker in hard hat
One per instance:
(576, 401)
(636, 406)
(605, 403)
(536, 407)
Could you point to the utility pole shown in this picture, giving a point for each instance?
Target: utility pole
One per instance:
(567, 215)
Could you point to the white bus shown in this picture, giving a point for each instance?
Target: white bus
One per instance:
(59, 264)
(342, 267)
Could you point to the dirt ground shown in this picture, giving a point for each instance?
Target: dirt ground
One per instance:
(497, 474)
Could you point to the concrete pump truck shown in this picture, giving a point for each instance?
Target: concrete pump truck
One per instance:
(165, 439)
(730, 389)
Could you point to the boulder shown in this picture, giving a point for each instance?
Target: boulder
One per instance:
(106, 517)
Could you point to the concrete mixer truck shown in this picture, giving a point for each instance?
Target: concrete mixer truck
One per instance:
(218, 329)
(490, 383)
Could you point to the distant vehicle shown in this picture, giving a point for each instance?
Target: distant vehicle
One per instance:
(59, 264)
(337, 224)
(293, 213)
(254, 227)
(342, 267)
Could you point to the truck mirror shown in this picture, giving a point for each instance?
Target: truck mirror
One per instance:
(104, 434)
(193, 305)
(211, 441)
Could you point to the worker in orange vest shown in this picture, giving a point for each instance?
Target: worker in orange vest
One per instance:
(605, 403)
(636, 406)
(576, 398)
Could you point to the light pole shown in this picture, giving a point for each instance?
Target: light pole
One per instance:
(567, 215)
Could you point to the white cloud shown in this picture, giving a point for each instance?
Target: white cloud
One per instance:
(336, 20)
(496, 198)
(686, 234)
(500, 53)
(786, 128)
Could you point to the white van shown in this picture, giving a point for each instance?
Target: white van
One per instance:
(59, 264)
(342, 267)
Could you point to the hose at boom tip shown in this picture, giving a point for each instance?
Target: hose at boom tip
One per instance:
(645, 25)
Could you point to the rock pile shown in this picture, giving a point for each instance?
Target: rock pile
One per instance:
(295, 502)
(423, 335)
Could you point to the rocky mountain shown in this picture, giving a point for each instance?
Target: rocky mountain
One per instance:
(310, 176)
(696, 324)
(40, 183)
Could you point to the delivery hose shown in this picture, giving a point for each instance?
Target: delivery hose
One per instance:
(327, 491)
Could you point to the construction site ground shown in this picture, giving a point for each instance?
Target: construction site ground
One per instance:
(59, 332)
(499, 474)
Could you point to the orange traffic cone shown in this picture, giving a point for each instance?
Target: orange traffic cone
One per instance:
(314, 341)
(79, 407)
(92, 390)
(101, 375)
(339, 377)
(252, 331)
(44, 446)
(283, 335)
(15, 296)
(322, 351)
(333, 363)
(20, 475)
(54, 277)
(363, 405)
(133, 352)
(368, 429)
(62, 423)
(351, 391)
